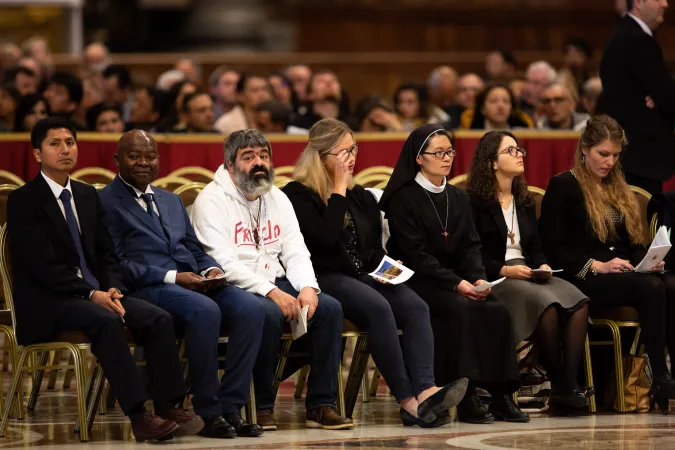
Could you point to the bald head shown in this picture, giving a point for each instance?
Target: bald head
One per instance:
(468, 87)
(137, 158)
(442, 84)
(97, 57)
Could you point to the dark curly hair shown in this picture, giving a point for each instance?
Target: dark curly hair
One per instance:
(482, 182)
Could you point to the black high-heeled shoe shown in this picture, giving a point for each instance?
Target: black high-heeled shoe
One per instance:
(663, 389)
(411, 421)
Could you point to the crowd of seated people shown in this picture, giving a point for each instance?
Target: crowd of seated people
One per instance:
(537, 96)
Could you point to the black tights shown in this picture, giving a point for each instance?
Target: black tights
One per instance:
(562, 369)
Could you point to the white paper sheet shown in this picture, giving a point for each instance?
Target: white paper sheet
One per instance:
(657, 251)
(546, 271)
(486, 286)
(299, 327)
(217, 277)
(392, 272)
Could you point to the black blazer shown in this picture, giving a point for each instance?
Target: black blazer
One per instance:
(322, 225)
(632, 68)
(492, 229)
(566, 234)
(45, 260)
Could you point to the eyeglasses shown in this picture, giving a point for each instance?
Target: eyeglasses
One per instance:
(513, 151)
(441, 155)
(556, 100)
(353, 150)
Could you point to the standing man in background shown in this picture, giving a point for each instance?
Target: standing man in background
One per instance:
(639, 92)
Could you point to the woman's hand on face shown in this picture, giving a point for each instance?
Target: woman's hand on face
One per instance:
(341, 173)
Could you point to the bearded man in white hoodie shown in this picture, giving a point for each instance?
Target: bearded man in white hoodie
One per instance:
(249, 227)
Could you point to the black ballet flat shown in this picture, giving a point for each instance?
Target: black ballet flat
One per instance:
(575, 399)
(411, 421)
(503, 408)
(663, 390)
(449, 396)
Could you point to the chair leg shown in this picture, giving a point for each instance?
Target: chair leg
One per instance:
(68, 377)
(359, 363)
(54, 373)
(618, 365)
(251, 413)
(300, 385)
(589, 375)
(375, 382)
(13, 391)
(285, 349)
(96, 394)
(80, 361)
(365, 386)
(38, 376)
(341, 392)
(636, 341)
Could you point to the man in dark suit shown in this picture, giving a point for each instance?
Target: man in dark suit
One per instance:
(639, 92)
(66, 278)
(163, 262)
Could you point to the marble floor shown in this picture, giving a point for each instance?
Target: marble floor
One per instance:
(51, 426)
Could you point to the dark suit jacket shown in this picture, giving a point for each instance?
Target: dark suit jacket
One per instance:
(492, 229)
(632, 68)
(566, 233)
(145, 253)
(322, 227)
(45, 260)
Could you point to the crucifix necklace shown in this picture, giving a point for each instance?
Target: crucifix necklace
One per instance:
(444, 228)
(256, 231)
(511, 235)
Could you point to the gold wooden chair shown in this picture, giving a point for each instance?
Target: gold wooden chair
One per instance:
(188, 193)
(643, 198)
(538, 195)
(459, 180)
(33, 358)
(284, 171)
(376, 180)
(171, 183)
(9, 178)
(366, 174)
(93, 175)
(281, 180)
(194, 173)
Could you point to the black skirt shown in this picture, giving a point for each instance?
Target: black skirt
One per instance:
(472, 338)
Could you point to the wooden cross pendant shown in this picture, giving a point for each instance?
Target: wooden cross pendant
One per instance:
(512, 236)
(445, 235)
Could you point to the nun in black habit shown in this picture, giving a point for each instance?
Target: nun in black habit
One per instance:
(432, 230)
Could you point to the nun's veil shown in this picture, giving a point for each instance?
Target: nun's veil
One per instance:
(406, 166)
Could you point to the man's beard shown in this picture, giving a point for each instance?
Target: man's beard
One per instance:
(254, 184)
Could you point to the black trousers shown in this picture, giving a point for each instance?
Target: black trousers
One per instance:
(378, 309)
(648, 184)
(152, 327)
(652, 295)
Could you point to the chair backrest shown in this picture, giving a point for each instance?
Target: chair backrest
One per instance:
(538, 195)
(5, 190)
(373, 171)
(643, 198)
(9, 178)
(93, 175)
(171, 183)
(377, 193)
(374, 180)
(281, 181)
(459, 180)
(6, 272)
(194, 173)
(284, 171)
(188, 193)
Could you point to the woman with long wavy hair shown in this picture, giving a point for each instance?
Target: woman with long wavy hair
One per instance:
(591, 228)
(340, 222)
(544, 308)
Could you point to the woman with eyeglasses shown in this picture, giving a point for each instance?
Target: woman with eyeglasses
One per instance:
(592, 228)
(433, 233)
(545, 309)
(341, 225)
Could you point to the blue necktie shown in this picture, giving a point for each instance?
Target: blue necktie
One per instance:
(75, 234)
(153, 215)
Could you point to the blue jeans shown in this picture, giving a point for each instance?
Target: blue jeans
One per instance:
(236, 311)
(325, 340)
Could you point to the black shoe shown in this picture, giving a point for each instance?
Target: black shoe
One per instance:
(472, 410)
(503, 408)
(573, 399)
(449, 396)
(411, 421)
(663, 390)
(243, 429)
(217, 427)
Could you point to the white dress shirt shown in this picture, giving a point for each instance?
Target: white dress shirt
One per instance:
(642, 24)
(170, 277)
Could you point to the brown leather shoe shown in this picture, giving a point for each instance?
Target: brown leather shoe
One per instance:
(266, 419)
(327, 418)
(150, 427)
(188, 424)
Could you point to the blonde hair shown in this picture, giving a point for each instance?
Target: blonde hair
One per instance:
(310, 169)
(615, 192)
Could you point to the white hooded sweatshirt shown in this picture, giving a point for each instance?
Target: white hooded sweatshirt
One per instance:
(221, 218)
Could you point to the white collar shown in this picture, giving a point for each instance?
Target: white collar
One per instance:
(148, 190)
(642, 24)
(56, 188)
(428, 185)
